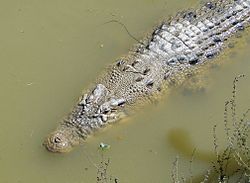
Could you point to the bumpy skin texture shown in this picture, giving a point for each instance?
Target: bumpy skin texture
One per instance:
(175, 49)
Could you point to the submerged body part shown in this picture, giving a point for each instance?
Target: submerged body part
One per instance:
(176, 49)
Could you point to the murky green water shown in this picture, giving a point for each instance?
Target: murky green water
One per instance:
(51, 50)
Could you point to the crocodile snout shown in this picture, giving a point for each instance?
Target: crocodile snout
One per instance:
(58, 142)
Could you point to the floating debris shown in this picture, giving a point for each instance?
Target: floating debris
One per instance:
(104, 146)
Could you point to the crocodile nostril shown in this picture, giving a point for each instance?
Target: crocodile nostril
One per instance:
(57, 140)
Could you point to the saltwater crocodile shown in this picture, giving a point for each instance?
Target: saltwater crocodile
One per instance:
(172, 52)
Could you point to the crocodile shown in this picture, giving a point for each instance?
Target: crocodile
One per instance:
(176, 49)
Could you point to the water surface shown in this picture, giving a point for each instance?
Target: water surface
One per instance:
(51, 50)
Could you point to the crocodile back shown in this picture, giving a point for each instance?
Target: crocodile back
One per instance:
(176, 48)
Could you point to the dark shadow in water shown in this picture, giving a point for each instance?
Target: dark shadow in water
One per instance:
(181, 141)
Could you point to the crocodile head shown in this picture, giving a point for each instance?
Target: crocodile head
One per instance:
(93, 111)
(62, 140)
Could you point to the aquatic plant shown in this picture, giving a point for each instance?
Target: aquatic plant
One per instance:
(102, 168)
(232, 164)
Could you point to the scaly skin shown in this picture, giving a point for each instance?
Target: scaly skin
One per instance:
(175, 50)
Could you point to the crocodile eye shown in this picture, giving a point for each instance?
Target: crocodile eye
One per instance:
(57, 140)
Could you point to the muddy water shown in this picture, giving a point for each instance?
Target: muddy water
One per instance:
(51, 50)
